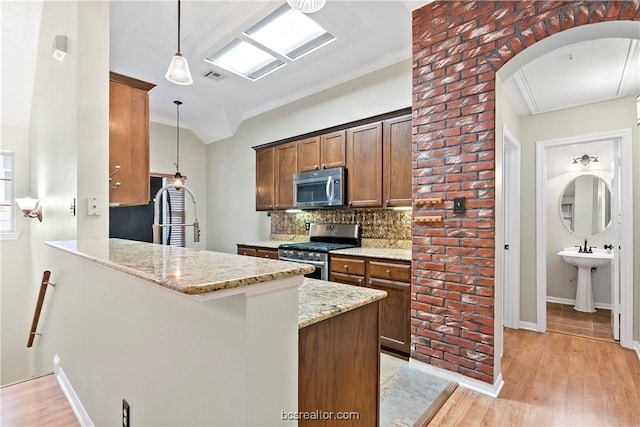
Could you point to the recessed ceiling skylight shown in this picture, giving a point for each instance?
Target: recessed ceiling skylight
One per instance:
(245, 59)
(289, 32)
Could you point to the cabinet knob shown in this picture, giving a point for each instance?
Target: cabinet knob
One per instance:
(266, 256)
(324, 166)
(316, 167)
(370, 282)
(346, 266)
(360, 281)
(277, 206)
(388, 271)
(388, 202)
(270, 206)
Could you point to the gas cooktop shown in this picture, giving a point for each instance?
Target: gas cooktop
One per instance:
(316, 246)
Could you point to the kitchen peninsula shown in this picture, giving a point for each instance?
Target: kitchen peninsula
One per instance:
(191, 337)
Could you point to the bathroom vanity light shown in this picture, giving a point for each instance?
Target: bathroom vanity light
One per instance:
(30, 207)
(585, 160)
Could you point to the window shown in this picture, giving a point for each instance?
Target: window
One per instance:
(7, 217)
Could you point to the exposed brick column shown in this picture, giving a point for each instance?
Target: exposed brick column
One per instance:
(458, 46)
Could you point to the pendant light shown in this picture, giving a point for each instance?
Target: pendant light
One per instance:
(178, 182)
(307, 6)
(178, 71)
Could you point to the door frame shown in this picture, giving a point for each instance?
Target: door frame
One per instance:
(623, 137)
(511, 222)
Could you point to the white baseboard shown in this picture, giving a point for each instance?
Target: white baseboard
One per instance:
(492, 390)
(529, 326)
(568, 301)
(636, 347)
(76, 406)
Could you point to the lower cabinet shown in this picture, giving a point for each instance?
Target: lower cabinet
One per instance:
(393, 277)
(339, 368)
(258, 252)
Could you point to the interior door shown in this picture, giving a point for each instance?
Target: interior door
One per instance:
(616, 215)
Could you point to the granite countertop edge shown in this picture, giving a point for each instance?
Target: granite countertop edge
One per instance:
(383, 253)
(295, 269)
(320, 300)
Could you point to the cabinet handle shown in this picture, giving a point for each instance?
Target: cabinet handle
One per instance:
(346, 267)
(324, 166)
(388, 271)
(370, 282)
(316, 167)
(388, 202)
(266, 256)
(270, 206)
(360, 281)
(277, 206)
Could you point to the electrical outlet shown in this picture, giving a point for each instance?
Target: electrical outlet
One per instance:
(126, 420)
(307, 226)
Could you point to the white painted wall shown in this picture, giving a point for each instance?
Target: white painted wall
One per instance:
(231, 215)
(15, 268)
(599, 117)
(68, 131)
(193, 164)
(176, 360)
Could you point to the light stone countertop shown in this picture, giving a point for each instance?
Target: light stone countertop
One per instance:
(397, 254)
(319, 300)
(270, 244)
(190, 271)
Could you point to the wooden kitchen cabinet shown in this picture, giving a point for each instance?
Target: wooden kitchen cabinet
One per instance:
(265, 178)
(257, 251)
(129, 140)
(364, 165)
(275, 166)
(322, 152)
(397, 167)
(391, 276)
(395, 324)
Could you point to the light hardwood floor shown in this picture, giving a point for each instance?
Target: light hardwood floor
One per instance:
(36, 402)
(565, 319)
(554, 379)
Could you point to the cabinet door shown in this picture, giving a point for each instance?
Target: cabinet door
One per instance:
(396, 141)
(395, 324)
(247, 251)
(309, 154)
(333, 150)
(267, 253)
(265, 178)
(364, 164)
(285, 166)
(129, 143)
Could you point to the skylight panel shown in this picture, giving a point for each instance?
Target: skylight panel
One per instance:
(289, 32)
(244, 59)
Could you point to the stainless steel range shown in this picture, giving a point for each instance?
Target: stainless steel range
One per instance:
(322, 239)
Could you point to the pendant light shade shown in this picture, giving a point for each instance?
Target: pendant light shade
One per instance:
(178, 71)
(307, 6)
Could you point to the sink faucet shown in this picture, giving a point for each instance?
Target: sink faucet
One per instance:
(156, 214)
(585, 249)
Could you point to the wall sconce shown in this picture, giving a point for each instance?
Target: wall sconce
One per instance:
(30, 207)
(585, 161)
(59, 47)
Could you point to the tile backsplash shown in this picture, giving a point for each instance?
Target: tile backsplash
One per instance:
(380, 227)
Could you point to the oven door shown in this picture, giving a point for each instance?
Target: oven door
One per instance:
(321, 272)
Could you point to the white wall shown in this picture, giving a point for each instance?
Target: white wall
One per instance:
(231, 215)
(599, 117)
(68, 131)
(16, 301)
(193, 164)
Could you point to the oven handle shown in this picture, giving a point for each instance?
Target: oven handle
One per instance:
(315, 263)
(329, 191)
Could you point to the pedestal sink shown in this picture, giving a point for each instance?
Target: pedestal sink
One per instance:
(585, 262)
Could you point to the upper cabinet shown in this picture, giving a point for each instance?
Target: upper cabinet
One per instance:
(275, 166)
(322, 152)
(129, 140)
(364, 165)
(396, 152)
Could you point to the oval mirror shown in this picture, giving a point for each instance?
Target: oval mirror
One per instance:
(585, 205)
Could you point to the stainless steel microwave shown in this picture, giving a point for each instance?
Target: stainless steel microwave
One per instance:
(319, 189)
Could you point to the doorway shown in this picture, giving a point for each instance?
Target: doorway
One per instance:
(621, 224)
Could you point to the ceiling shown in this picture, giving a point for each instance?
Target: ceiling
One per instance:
(370, 35)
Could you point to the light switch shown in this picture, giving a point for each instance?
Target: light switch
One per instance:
(94, 206)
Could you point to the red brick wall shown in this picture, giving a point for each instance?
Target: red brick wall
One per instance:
(457, 48)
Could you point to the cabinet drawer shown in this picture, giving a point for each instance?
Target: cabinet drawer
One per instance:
(347, 265)
(390, 271)
(349, 279)
(243, 250)
(267, 253)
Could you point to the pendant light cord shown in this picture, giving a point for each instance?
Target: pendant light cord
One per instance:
(177, 163)
(179, 51)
